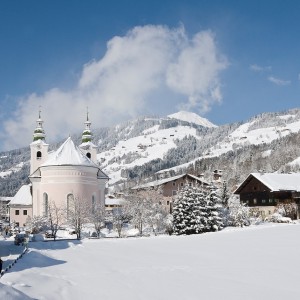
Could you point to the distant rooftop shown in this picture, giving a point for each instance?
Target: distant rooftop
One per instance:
(275, 182)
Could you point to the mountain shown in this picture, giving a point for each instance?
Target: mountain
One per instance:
(148, 148)
(191, 117)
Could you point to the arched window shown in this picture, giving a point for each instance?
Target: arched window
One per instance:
(93, 204)
(70, 199)
(45, 205)
(39, 155)
(88, 155)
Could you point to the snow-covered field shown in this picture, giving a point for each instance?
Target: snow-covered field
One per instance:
(259, 262)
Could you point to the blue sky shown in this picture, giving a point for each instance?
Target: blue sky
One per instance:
(65, 55)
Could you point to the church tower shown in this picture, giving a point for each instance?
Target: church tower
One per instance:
(87, 146)
(38, 148)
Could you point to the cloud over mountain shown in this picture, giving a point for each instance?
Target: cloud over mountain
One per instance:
(122, 84)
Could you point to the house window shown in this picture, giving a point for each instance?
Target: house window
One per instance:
(254, 201)
(45, 205)
(17, 212)
(263, 201)
(25, 212)
(254, 188)
(168, 202)
(270, 200)
(159, 202)
(17, 224)
(174, 192)
(190, 184)
(181, 184)
(39, 155)
(173, 183)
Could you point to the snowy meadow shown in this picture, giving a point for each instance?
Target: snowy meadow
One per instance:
(256, 262)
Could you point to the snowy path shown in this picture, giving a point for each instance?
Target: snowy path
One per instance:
(260, 262)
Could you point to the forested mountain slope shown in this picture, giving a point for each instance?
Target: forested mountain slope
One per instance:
(152, 147)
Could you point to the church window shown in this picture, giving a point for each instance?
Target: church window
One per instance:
(70, 199)
(39, 155)
(93, 204)
(45, 205)
(88, 155)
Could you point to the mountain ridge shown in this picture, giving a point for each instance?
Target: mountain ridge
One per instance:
(149, 147)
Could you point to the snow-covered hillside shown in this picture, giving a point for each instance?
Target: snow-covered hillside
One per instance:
(258, 262)
(192, 117)
(140, 148)
(259, 131)
(152, 144)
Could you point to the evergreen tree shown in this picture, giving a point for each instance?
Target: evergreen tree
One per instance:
(188, 216)
(213, 205)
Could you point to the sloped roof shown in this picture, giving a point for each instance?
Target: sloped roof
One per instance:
(114, 201)
(68, 154)
(23, 196)
(275, 182)
(166, 180)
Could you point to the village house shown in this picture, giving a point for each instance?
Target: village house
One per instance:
(170, 187)
(265, 190)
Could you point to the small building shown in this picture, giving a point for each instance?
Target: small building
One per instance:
(265, 190)
(20, 207)
(112, 203)
(170, 187)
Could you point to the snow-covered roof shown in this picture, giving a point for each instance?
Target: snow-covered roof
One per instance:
(39, 141)
(166, 180)
(114, 201)
(87, 145)
(6, 198)
(23, 196)
(68, 154)
(275, 182)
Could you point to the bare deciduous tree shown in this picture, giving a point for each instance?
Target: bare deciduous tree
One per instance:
(56, 217)
(79, 212)
(97, 217)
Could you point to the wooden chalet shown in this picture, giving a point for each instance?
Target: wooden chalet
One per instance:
(265, 190)
(170, 187)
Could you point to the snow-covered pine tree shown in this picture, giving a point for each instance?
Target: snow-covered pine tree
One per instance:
(188, 217)
(213, 206)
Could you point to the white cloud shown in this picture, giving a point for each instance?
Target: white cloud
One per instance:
(120, 85)
(278, 81)
(257, 68)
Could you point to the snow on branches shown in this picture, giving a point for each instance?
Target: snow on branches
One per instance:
(196, 210)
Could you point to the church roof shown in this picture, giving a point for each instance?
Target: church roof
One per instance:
(23, 196)
(68, 154)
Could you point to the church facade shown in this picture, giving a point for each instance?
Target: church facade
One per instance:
(61, 176)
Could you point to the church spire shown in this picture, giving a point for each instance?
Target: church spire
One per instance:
(86, 134)
(39, 133)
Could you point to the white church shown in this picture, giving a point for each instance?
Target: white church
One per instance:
(58, 177)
